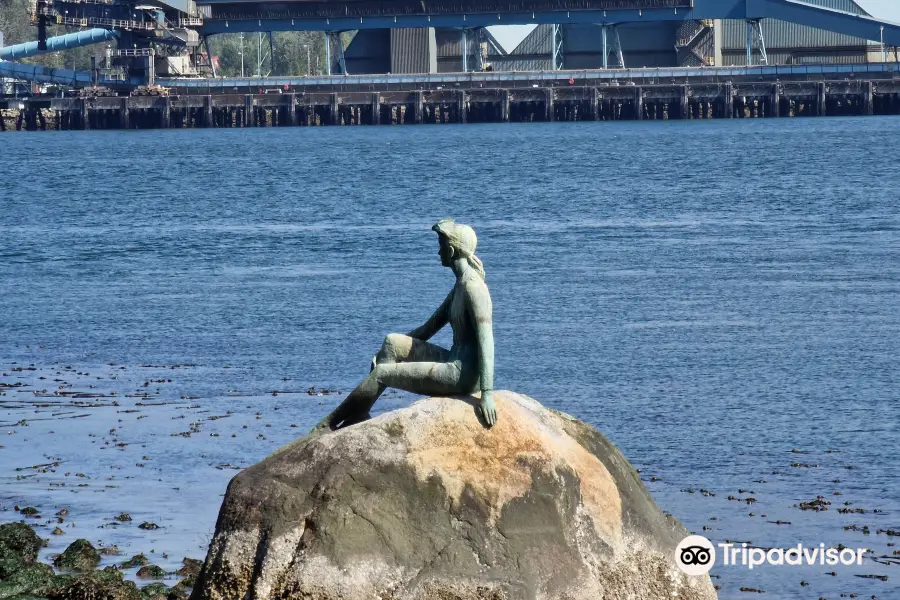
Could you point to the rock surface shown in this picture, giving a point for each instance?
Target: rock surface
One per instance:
(426, 503)
(22, 578)
(79, 556)
(19, 546)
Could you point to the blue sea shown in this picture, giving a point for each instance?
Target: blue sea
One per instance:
(720, 299)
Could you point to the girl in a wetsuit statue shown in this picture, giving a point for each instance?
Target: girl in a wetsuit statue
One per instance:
(408, 362)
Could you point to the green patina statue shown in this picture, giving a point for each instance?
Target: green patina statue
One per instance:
(409, 362)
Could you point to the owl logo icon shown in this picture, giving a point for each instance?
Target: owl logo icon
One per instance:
(695, 555)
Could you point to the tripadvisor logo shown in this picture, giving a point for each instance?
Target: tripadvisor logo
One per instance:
(695, 555)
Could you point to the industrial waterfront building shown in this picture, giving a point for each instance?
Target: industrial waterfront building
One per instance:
(719, 42)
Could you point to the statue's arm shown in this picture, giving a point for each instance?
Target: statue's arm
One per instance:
(434, 324)
(480, 310)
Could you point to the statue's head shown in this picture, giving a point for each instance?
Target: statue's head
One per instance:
(455, 240)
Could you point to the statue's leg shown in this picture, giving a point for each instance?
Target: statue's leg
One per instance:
(402, 348)
(396, 349)
(428, 378)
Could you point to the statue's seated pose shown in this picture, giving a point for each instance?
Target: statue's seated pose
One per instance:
(409, 362)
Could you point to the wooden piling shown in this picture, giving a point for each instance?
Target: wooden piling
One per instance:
(638, 103)
(208, 120)
(166, 113)
(248, 111)
(376, 108)
(548, 104)
(728, 105)
(821, 111)
(419, 107)
(868, 98)
(683, 104)
(462, 107)
(504, 106)
(774, 108)
(333, 115)
(124, 121)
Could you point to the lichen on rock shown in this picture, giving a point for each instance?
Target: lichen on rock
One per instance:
(105, 584)
(79, 556)
(425, 502)
(151, 572)
(19, 542)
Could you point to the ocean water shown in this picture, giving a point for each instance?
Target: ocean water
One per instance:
(721, 299)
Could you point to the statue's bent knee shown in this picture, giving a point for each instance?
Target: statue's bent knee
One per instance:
(395, 348)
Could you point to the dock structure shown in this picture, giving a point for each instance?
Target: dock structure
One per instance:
(486, 98)
(169, 37)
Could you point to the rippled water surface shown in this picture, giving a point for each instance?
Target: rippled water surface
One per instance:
(722, 300)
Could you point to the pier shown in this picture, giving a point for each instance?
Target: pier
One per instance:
(486, 98)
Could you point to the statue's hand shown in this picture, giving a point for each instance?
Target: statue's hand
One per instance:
(487, 408)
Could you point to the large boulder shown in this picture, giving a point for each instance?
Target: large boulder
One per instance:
(426, 503)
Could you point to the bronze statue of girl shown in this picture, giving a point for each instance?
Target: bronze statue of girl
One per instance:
(409, 362)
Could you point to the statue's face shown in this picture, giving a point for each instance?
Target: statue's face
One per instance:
(445, 251)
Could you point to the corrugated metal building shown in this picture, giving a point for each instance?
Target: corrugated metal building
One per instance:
(391, 51)
(413, 50)
(789, 43)
(663, 44)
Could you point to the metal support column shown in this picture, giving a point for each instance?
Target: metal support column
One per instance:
(749, 61)
(557, 47)
(327, 52)
(151, 67)
(548, 105)
(464, 45)
(620, 56)
(342, 64)
(478, 48)
(123, 114)
(595, 104)
(755, 38)
(611, 45)
(272, 52)
(604, 29)
(683, 104)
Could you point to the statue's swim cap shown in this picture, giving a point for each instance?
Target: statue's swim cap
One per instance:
(462, 238)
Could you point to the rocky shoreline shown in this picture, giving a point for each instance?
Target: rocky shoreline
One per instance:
(77, 576)
(162, 442)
